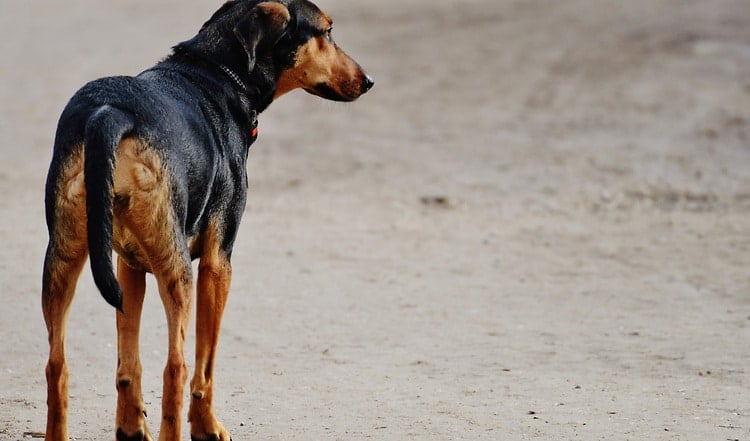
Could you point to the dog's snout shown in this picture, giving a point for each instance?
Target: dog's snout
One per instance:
(367, 83)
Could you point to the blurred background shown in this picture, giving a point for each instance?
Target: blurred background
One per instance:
(534, 226)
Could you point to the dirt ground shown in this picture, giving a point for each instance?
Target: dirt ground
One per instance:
(535, 226)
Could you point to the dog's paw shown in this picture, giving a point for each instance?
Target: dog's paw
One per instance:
(221, 434)
(137, 436)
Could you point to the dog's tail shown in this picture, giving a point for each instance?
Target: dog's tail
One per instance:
(104, 130)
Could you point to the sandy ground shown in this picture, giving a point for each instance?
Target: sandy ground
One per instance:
(534, 227)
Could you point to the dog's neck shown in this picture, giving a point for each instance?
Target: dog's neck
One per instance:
(257, 86)
(234, 76)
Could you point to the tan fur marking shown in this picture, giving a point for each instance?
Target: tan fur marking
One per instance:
(324, 21)
(214, 275)
(131, 410)
(66, 255)
(143, 223)
(57, 293)
(138, 168)
(70, 210)
(278, 13)
(175, 290)
(320, 61)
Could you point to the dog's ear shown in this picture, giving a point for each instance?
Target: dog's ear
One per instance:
(267, 23)
(229, 4)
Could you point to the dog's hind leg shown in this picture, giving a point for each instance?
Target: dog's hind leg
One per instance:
(64, 260)
(214, 274)
(58, 287)
(144, 206)
(131, 411)
(170, 263)
(175, 289)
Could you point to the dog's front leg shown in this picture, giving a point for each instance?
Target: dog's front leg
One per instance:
(214, 274)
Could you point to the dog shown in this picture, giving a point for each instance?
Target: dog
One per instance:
(153, 167)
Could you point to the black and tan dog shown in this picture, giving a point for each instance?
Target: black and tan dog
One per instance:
(153, 167)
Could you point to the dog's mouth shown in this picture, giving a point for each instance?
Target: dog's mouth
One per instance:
(323, 90)
(349, 91)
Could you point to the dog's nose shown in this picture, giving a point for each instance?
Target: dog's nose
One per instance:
(367, 83)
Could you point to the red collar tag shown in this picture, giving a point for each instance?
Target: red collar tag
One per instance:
(254, 124)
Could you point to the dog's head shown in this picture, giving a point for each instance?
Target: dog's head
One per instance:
(289, 40)
(316, 63)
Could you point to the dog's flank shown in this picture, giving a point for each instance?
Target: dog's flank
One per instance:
(153, 166)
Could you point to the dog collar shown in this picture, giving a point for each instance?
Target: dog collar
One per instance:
(233, 75)
(253, 125)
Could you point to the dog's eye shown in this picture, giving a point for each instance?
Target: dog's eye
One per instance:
(328, 34)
